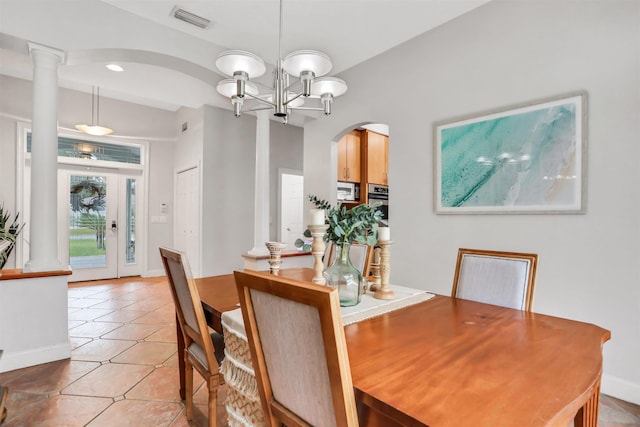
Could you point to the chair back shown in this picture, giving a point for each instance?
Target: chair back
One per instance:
(359, 254)
(298, 349)
(189, 308)
(495, 277)
(327, 258)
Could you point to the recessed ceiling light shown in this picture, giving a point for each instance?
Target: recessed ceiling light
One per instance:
(115, 67)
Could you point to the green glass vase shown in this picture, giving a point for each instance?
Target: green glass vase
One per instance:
(344, 276)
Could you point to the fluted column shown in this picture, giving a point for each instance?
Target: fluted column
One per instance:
(43, 248)
(261, 203)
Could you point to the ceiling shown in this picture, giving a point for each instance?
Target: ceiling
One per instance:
(169, 63)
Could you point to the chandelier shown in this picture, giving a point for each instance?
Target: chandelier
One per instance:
(298, 78)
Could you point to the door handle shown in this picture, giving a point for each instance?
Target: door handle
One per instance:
(114, 225)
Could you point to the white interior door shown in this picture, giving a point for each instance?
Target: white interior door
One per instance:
(291, 205)
(187, 216)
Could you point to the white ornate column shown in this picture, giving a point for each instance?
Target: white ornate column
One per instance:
(43, 248)
(261, 200)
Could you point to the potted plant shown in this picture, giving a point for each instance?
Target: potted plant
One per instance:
(346, 226)
(9, 231)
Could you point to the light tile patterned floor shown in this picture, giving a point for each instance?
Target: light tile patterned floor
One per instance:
(124, 368)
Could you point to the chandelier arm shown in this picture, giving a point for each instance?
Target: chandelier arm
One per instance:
(257, 109)
(260, 99)
(306, 108)
(293, 99)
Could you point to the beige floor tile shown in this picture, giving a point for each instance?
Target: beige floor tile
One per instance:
(51, 377)
(78, 341)
(100, 350)
(88, 313)
(147, 353)
(82, 303)
(93, 329)
(19, 403)
(165, 334)
(122, 316)
(137, 413)
(157, 318)
(61, 411)
(162, 384)
(109, 380)
(132, 331)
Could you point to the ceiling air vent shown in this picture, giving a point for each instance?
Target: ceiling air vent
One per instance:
(190, 18)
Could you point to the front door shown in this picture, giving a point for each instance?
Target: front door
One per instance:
(98, 208)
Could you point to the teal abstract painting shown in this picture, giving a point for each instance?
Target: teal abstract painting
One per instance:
(528, 159)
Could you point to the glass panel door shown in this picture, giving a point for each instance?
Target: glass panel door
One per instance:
(87, 221)
(89, 206)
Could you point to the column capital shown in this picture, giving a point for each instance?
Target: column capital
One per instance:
(50, 50)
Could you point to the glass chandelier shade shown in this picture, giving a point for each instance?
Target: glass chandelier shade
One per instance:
(233, 61)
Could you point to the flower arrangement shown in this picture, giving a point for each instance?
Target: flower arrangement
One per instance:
(358, 224)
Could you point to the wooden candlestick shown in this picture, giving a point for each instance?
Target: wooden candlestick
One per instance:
(317, 250)
(375, 270)
(384, 292)
(275, 253)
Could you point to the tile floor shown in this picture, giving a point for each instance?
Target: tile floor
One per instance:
(123, 369)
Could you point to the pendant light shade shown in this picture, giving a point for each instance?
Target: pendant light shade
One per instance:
(307, 60)
(234, 61)
(94, 128)
(332, 85)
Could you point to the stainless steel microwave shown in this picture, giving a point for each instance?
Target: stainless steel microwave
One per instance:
(346, 191)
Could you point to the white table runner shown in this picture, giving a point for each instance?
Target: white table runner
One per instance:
(243, 401)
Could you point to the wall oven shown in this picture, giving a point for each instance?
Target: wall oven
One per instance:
(380, 193)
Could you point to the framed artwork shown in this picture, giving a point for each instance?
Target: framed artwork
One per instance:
(524, 159)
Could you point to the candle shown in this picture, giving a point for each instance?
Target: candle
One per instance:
(383, 233)
(317, 217)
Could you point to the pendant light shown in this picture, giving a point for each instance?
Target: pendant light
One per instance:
(305, 68)
(94, 128)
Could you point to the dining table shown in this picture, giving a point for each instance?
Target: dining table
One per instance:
(453, 362)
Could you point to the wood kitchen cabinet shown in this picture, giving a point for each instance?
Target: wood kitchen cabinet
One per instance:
(349, 157)
(377, 161)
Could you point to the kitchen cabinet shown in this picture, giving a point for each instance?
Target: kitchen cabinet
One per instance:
(349, 157)
(377, 146)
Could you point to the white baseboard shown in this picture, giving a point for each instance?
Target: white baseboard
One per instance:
(154, 273)
(620, 389)
(35, 356)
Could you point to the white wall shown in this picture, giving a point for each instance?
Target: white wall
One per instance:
(228, 188)
(286, 143)
(505, 53)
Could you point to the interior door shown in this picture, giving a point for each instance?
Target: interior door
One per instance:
(187, 216)
(291, 206)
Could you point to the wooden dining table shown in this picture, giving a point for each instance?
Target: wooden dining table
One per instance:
(451, 362)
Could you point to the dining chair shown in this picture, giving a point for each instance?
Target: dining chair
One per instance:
(4, 392)
(360, 256)
(495, 277)
(327, 258)
(204, 349)
(298, 348)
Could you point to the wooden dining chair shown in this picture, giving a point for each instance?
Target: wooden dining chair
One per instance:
(495, 277)
(4, 393)
(298, 348)
(204, 350)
